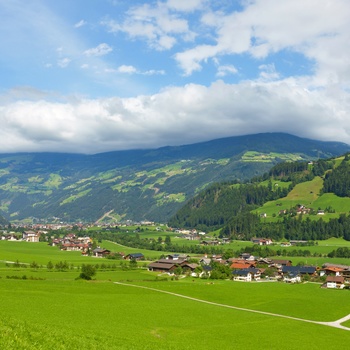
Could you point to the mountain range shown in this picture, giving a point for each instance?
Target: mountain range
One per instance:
(151, 184)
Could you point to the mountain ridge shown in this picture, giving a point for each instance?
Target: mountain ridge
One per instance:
(148, 184)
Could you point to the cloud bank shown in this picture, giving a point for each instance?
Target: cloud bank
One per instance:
(175, 116)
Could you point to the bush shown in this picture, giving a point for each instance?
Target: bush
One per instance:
(87, 272)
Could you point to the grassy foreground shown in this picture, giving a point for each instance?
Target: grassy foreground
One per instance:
(53, 310)
(63, 313)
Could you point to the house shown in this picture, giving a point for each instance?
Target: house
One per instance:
(335, 282)
(134, 256)
(280, 262)
(214, 242)
(262, 241)
(332, 271)
(264, 261)
(300, 270)
(206, 270)
(177, 257)
(74, 247)
(242, 275)
(189, 267)
(246, 275)
(241, 264)
(162, 267)
(100, 253)
(205, 261)
(292, 277)
(30, 236)
(247, 256)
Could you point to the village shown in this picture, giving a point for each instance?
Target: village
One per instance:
(245, 267)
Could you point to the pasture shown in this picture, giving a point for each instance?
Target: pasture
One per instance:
(52, 309)
(307, 194)
(72, 314)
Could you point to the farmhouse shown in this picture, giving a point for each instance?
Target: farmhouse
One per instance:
(134, 256)
(335, 282)
(162, 267)
(100, 253)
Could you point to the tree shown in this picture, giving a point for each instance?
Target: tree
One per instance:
(34, 265)
(133, 264)
(178, 270)
(87, 272)
(167, 240)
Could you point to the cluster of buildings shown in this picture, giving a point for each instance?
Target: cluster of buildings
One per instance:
(249, 268)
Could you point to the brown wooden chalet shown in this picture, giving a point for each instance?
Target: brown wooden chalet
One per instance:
(100, 253)
(169, 265)
(162, 267)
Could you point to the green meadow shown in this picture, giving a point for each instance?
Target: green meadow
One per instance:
(52, 309)
(65, 313)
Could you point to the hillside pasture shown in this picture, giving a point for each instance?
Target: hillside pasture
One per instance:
(307, 194)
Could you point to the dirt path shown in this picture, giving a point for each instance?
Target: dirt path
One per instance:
(335, 324)
(103, 216)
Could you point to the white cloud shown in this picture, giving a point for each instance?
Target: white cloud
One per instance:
(100, 50)
(177, 115)
(161, 27)
(185, 5)
(154, 72)
(318, 30)
(80, 24)
(226, 69)
(63, 62)
(127, 69)
(268, 72)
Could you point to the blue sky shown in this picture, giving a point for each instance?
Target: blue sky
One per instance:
(99, 75)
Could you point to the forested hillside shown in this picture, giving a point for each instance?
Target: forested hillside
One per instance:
(3, 221)
(294, 200)
(144, 184)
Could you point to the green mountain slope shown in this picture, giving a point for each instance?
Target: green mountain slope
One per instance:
(293, 201)
(139, 184)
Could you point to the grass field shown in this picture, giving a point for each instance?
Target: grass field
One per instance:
(53, 309)
(69, 314)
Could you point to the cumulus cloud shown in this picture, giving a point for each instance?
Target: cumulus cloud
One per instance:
(99, 50)
(127, 69)
(177, 115)
(157, 24)
(318, 30)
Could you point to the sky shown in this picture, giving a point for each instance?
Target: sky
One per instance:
(89, 76)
